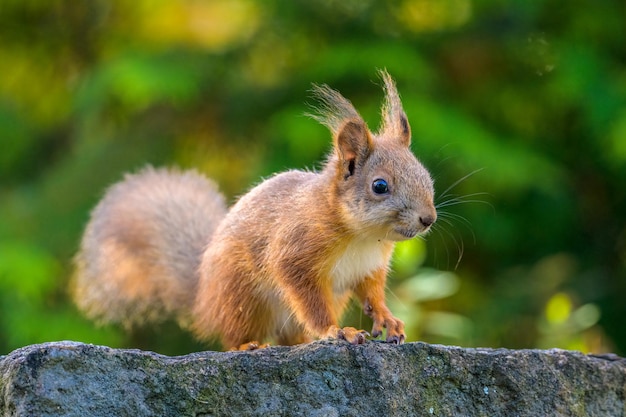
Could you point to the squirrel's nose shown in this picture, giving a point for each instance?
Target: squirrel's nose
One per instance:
(427, 220)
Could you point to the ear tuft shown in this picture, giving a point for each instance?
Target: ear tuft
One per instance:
(333, 109)
(395, 123)
(352, 138)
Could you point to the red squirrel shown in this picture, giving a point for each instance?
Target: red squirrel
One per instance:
(283, 262)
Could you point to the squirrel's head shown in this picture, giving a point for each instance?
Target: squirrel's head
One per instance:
(380, 185)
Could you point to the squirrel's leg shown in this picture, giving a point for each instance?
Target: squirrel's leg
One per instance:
(311, 302)
(246, 325)
(371, 292)
(241, 320)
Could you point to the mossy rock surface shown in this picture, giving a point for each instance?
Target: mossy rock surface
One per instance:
(325, 378)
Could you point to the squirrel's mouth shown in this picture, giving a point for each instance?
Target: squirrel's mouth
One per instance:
(405, 233)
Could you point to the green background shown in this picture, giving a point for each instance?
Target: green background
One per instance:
(520, 107)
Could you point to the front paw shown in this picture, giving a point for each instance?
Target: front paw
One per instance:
(394, 326)
(254, 345)
(350, 334)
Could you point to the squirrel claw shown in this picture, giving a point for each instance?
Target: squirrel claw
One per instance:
(361, 337)
(396, 340)
(395, 329)
(254, 345)
(350, 334)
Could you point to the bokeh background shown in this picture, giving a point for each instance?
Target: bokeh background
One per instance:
(517, 108)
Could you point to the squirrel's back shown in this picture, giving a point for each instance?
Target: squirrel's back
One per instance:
(140, 253)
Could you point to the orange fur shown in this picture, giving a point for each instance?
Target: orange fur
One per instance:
(284, 261)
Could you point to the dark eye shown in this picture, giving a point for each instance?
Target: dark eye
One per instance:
(380, 186)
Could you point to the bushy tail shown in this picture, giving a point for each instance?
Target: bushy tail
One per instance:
(139, 256)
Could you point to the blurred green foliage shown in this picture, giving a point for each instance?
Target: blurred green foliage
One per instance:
(519, 107)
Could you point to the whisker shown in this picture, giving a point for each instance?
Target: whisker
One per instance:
(446, 216)
(447, 226)
(398, 299)
(461, 197)
(422, 237)
(292, 314)
(440, 231)
(460, 245)
(443, 214)
(457, 182)
(461, 200)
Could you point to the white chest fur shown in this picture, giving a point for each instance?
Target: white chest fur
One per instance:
(359, 259)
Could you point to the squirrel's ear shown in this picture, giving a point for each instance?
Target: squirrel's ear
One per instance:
(353, 143)
(395, 123)
(353, 140)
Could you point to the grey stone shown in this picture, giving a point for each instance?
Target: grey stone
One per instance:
(325, 378)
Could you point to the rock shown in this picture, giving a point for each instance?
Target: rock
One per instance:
(325, 378)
